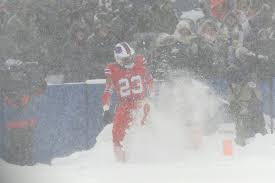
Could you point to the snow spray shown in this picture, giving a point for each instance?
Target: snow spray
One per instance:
(183, 111)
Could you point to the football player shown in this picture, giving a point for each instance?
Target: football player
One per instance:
(129, 77)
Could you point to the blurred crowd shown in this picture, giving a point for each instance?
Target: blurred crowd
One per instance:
(75, 38)
(215, 39)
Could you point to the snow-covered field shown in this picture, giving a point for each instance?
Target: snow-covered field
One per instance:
(252, 164)
(160, 152)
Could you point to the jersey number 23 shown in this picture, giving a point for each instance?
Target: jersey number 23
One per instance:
(132, 85)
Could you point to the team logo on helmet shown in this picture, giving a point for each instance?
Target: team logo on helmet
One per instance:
(118, 50)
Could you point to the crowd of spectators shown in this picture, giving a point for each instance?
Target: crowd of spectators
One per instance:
(216, 37)
(76, 38)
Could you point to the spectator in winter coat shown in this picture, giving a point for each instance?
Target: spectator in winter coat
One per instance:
(219, 8)
(261, 20)
(77, 56)
(245, 97)
(163, 19)
(144, 23)
(233, 29)
(21, 29)
(175, 53)
(17, 31)
(212, 50)
(186, 48)
(102, 43)
(241, 11)
(23, 84)
(124, 24)
(162, 59)
(254, 7)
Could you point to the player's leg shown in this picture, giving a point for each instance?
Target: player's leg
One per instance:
(120, 125)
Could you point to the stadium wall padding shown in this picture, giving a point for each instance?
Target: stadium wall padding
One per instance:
(70, 117)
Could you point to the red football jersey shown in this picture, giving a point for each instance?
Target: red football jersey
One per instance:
(129, 84)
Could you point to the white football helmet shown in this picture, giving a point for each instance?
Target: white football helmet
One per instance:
(124, 55)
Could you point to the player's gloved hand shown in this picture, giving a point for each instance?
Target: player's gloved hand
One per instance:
(107, 116)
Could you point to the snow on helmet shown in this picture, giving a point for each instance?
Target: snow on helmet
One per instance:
(124, 55)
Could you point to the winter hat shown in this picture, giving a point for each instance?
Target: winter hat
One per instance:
(214, 8)
(183, 32)
(183, 24)
(215, 3)
(207, 22)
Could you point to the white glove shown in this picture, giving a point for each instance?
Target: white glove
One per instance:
(106, 108)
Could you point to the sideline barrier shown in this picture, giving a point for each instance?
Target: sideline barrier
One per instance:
(70, 117)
